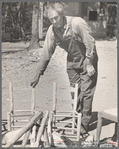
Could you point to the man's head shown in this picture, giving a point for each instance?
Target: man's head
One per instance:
(55, 13)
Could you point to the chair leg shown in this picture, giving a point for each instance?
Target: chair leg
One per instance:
(49, 130)
(54, 100)
(9, 120)
(99, 127)
(73, 123)
(78, 126)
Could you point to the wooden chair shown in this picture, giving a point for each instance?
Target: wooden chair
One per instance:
(13, 115)
(69, 114)
(110, 114)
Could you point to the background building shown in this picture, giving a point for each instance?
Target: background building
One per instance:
(100, 16)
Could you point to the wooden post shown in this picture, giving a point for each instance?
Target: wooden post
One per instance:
(54, 100)
(33, 136)
(33, 101)
(11, 101)
(41, 129)
(78, 126)
(11, 97)
(33, 121)
(9, 120)
(75, 97)
(40, 20)
(46, 140)
(99, 127)
(26, 137)
(49, 131)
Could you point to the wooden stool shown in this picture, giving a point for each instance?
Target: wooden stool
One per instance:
(110, 114)
(75, 128)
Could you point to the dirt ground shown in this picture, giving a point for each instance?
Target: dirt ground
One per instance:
(19, 66)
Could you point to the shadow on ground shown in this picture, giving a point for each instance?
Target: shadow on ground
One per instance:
(93, 121)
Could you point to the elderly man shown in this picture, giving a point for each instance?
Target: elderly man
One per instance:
(72, 34)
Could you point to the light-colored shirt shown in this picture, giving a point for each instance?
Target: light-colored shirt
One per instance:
(72, 24)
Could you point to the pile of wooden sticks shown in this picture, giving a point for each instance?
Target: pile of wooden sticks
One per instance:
(37, 127)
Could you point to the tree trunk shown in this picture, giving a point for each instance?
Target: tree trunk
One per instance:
(34, 43)
(41, 20)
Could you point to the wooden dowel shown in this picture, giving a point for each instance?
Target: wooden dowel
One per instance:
(49, 131)
(60, 121)
(75, 97)
(46, 140)
(52, 118)
(78, 126)
(41, 129)
(21, 115)
(11, 100)
(21, 121)
(22, 110)
(26, 137)
(65, 116)
(70, 136)
(33, 121)
(33, 101)
(33, 136)
(64, 112)
(9, 120)
(54, 97)
(73, 123)
(11, 97)
(65, 128)
(18, 126)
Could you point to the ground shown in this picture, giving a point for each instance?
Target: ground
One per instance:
(19, 67)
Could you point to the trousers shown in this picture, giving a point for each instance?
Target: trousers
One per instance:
(86, 88)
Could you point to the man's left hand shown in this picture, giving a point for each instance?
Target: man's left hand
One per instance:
(90, 70)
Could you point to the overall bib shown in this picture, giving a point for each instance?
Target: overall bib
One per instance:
(76, 69)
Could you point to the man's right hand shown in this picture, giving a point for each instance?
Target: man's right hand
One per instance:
(34, 82)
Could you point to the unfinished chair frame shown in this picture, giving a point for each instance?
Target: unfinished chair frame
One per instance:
(73, 114)
(12, 113)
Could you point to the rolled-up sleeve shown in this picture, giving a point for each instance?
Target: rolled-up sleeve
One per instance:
(83, 32)
(48, 50)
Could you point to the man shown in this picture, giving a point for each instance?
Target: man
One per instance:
(72, 34)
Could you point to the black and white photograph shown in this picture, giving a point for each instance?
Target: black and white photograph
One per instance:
(59, 74)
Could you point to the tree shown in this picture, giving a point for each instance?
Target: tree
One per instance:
(34, 43)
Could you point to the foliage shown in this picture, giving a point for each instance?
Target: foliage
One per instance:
(17, 20)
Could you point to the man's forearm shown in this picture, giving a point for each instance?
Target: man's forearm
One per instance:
(42, 66)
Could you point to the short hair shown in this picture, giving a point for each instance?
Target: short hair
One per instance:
(58, 7)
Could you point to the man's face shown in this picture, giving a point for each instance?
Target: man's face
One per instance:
(55, 18)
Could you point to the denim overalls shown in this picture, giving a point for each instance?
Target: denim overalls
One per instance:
(76, 69)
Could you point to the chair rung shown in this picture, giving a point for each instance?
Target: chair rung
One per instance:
(22, 110)
(64, 112)
(20, 115)
(70, 136)
(64, 128)
(17, 126)
(21, 120)
(65, 116)
(60, 121)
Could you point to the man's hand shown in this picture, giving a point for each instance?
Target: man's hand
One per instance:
(90, 70)
(34, 82)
